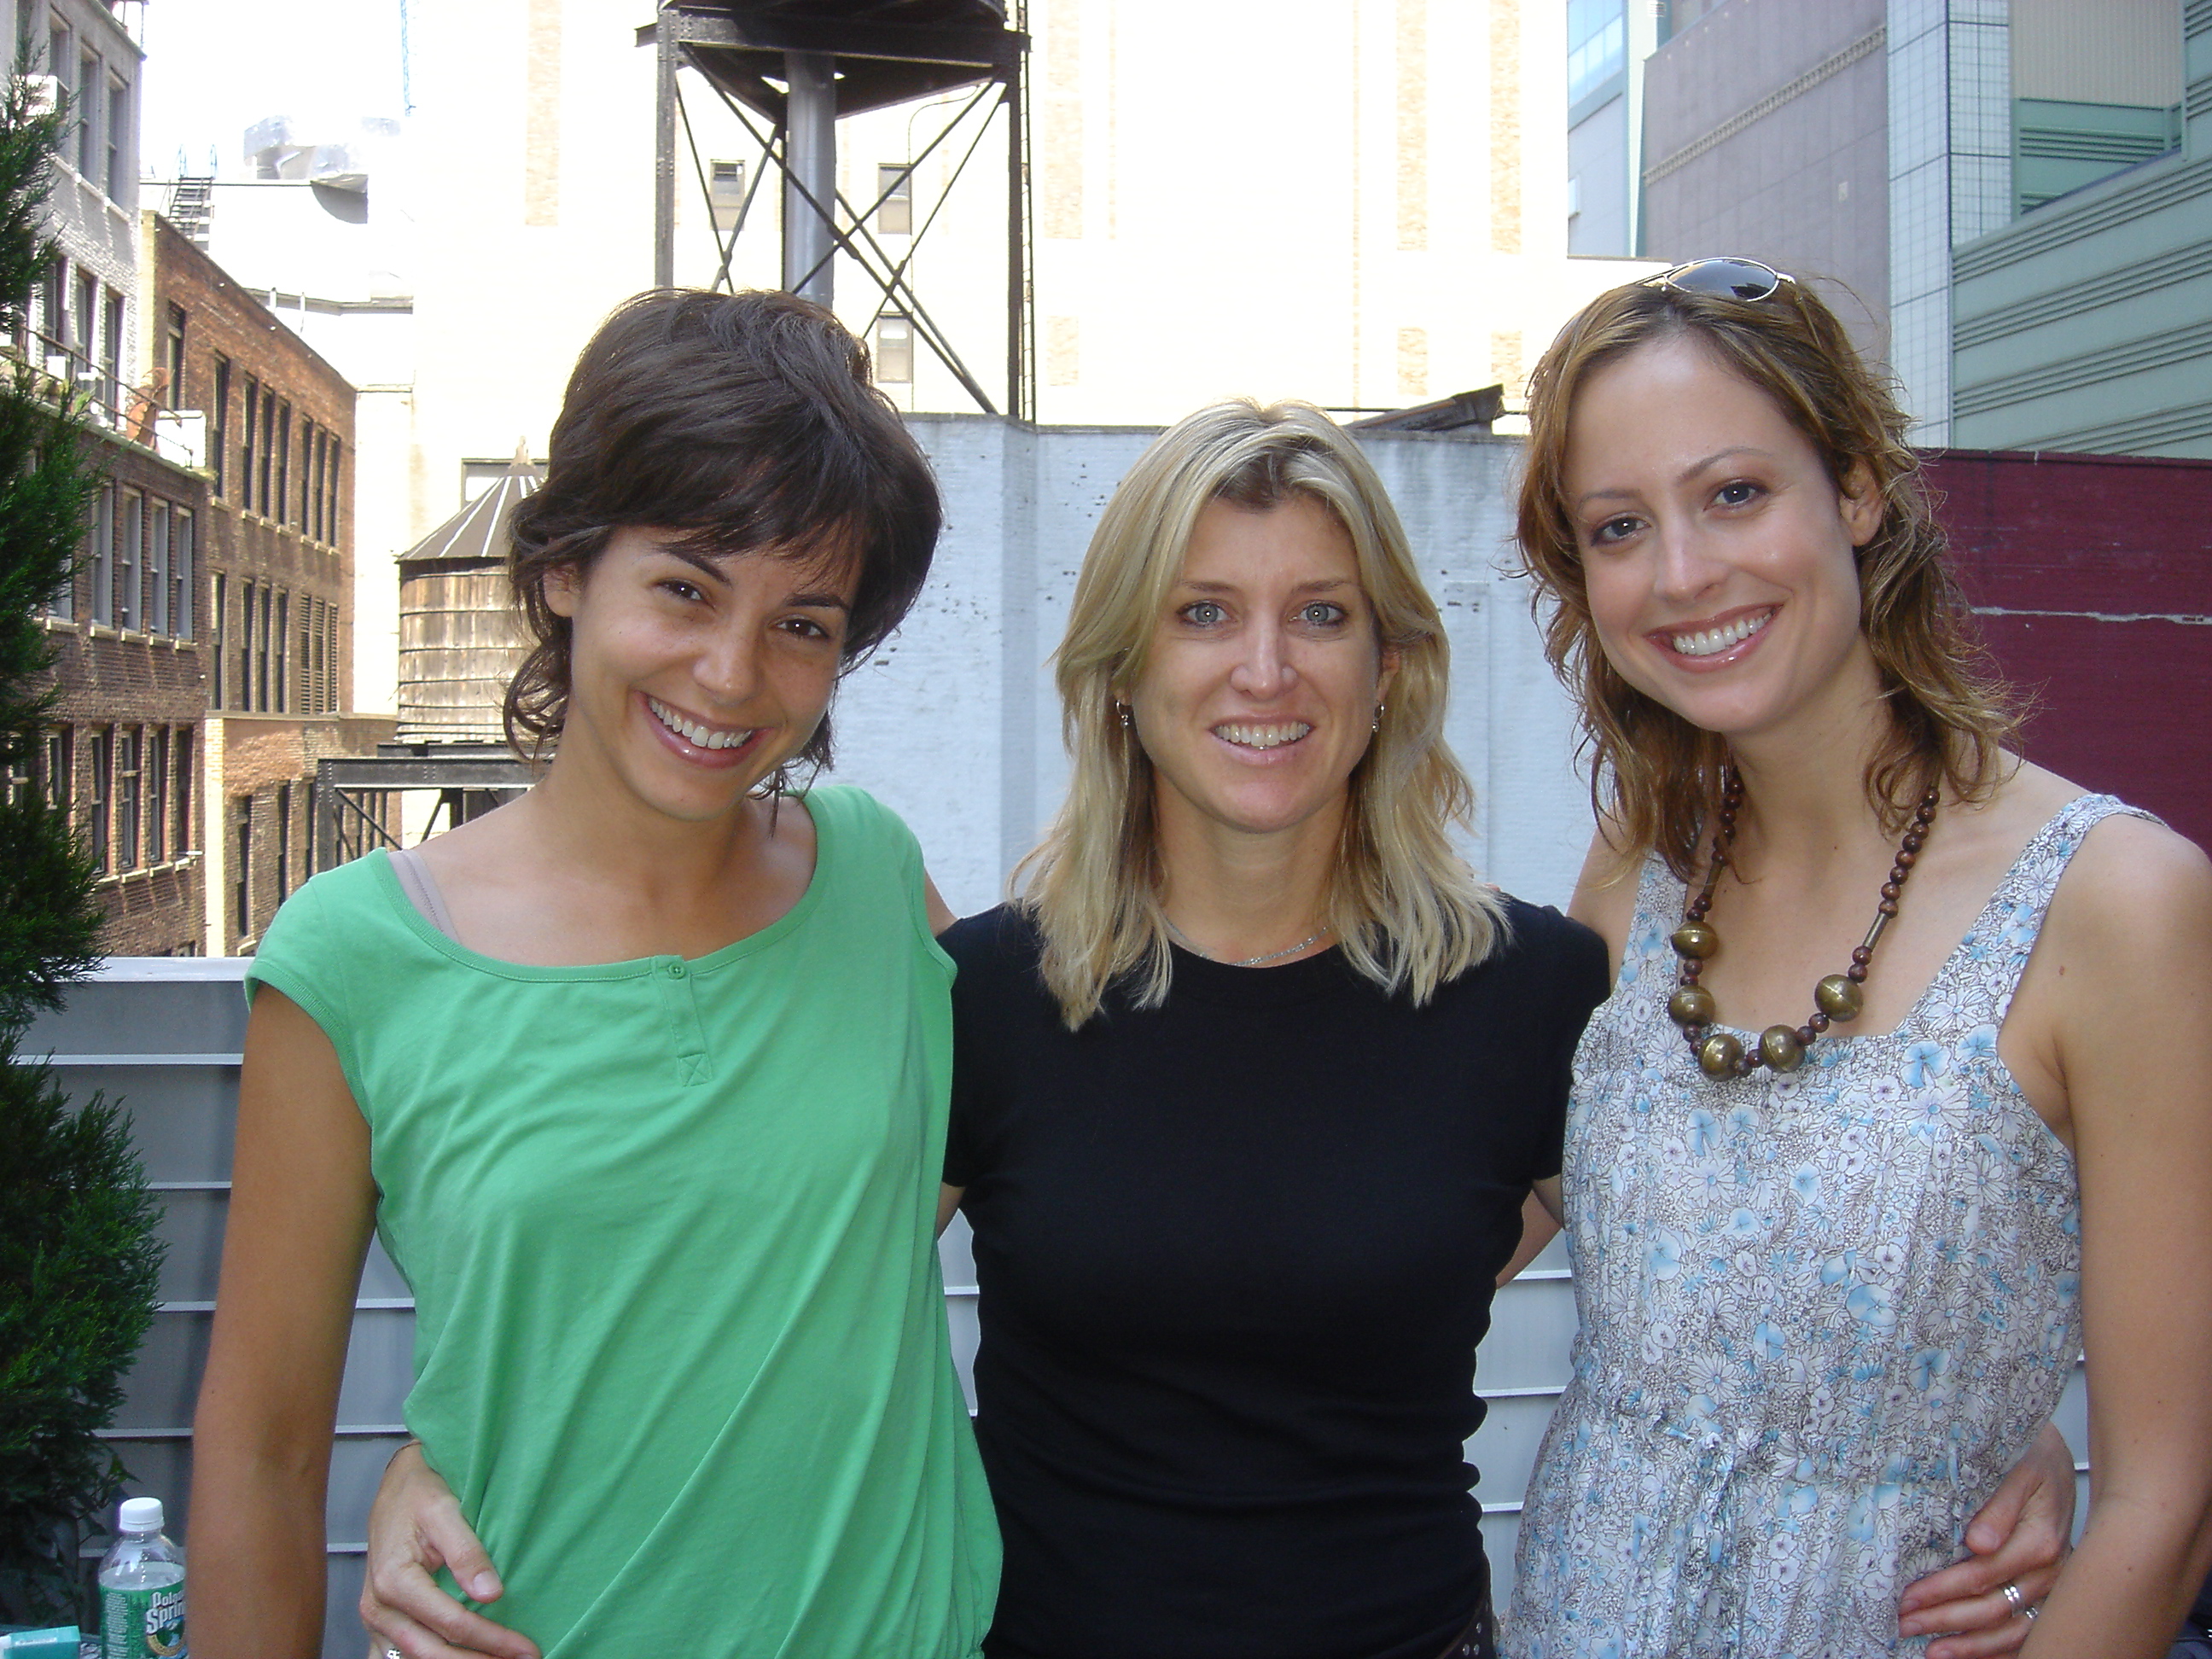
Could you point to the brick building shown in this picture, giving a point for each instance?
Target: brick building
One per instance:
(122, 755)
(275, 423)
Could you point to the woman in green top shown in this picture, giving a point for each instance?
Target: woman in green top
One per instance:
(641, 1077)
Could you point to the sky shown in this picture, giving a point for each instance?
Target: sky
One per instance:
(215, 67)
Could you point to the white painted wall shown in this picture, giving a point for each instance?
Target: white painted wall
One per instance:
(954, 723)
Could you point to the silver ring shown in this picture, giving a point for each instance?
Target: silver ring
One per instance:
(2013, 1596)
(2028, 1611)
(393, 1653)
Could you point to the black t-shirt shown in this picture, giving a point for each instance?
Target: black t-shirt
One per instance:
(1235, 1255)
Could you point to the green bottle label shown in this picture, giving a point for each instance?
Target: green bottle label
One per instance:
(143, 1623)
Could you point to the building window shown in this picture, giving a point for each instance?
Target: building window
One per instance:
(332, 485)
(322, 473)
(88, 106)
(725, 193)
(242, 886)
(183, 838)
(261, 653)
(58, 761)
(1597, 46)
(262, 498)
(111, 350)
(219, 423)
(893, 349)
(103, 778)
(283, 513)
(173, 350)
(84, 343)
(157, 567)
(331, 655)
(219, 658)
(246, 447)
(103, 555)
(157, 795)
(308, 839)
(184, 583)
(283, 842)
(57, 48)
(118, 117)
(282, 682)
(53, 315)
(130, 540)
(895, 199)
(127, 785)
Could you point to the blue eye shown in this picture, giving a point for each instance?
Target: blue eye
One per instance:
(1204, 614)
(1322, 614)
(1615, 529)
(1738, 493)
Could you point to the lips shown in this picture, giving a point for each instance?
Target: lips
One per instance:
(1705, 642)
(719, 741)
(1261, 734)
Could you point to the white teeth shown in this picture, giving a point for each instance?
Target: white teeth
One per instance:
(1262, 737)
(1712, 641)
(701, 737)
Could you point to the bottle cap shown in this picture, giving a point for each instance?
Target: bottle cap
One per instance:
(141, 1515)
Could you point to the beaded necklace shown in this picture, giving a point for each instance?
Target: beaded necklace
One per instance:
(1837, 999)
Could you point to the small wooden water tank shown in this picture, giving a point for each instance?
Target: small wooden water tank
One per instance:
(460, 639)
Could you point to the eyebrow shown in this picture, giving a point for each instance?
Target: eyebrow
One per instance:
(1681, 477)
(1326, 585)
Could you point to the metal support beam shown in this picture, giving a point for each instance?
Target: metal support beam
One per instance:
(1021, 393)
(666, 54)
(810, 187)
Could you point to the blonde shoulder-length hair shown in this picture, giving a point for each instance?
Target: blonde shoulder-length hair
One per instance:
(1405, 909)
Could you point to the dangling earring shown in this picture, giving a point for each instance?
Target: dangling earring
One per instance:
(1381, 710)
(1122, 710)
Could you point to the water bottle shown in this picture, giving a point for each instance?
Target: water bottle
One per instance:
(142, 1588)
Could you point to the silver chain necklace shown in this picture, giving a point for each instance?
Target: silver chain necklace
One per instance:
(1196, 949)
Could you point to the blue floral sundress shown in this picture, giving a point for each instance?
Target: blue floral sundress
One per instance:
(1821, 1314)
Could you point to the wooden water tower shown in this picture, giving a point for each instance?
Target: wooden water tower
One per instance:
(460, 639)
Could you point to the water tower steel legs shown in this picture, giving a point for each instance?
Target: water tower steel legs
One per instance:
(812, 146)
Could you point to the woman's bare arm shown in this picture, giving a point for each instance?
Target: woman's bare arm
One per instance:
(300, 1208)
(2131, 936)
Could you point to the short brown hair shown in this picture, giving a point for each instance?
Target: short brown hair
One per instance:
(744, 422)
(1654, 776)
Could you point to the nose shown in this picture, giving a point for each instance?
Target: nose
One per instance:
(1686, 564)
(728, 667)
(1263, 667)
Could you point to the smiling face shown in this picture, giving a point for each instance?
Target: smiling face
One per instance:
(692, 677)
(1258, 693)
(1718, 554)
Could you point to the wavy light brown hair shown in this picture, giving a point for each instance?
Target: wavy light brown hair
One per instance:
(1654, 776)
(745, 423)
(1406, 911)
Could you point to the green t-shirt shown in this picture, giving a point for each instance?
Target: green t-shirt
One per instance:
(680, 1344)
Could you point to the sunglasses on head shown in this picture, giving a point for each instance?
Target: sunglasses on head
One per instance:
(1722, 279)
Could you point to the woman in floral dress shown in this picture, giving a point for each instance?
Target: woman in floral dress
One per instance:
(1902, 1091)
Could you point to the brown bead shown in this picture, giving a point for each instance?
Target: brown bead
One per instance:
(1779, 1047)
(1862, 955)
(1838, 997)
(1907, 858)
(1887, 907)
(1718, 1053)
(1693, 1006)
(1816, 1022)
(1890, 890)
(1806, 1035)
(1912, 843)
(1856, 973)
(1695, 940)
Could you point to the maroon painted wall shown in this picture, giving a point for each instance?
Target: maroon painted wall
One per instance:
(2092, 577)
